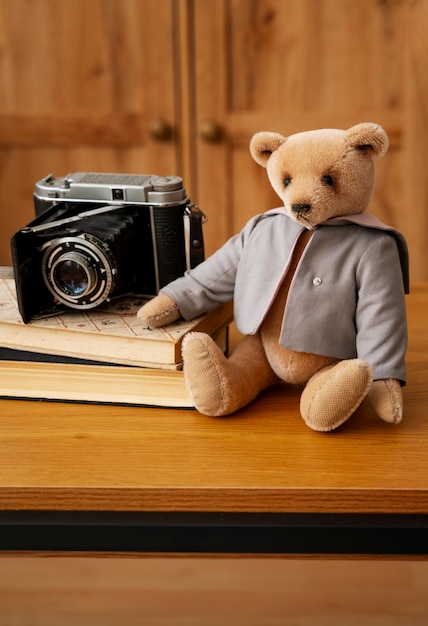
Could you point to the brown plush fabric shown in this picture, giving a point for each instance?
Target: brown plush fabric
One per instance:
(159, 311)
(348, 157)
(332, 395)
(219, 386)
(387, 400)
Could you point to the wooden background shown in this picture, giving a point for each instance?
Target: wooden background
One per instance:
(91, 591)
(180, 86)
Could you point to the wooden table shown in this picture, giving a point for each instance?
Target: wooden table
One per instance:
(89, 478)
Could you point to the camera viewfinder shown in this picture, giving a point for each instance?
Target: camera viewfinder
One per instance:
(118, 194)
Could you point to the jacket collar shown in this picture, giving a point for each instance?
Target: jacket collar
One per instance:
(367, 221)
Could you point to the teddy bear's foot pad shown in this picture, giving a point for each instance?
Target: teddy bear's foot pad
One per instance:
(332, 395)
(204, 363)
(220, 386)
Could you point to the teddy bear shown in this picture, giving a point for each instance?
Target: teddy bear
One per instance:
(318, 288)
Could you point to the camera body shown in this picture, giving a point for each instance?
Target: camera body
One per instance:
(97, 236)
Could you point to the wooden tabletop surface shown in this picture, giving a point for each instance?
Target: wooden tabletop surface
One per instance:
(56, 456)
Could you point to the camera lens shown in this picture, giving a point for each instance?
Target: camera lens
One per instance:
(79, 271)
(72, 276)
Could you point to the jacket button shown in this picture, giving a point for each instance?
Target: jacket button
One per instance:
(317, 281)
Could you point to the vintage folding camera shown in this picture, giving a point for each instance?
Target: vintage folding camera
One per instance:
(97, 236)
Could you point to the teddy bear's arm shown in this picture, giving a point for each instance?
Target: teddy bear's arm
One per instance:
(381, 311)
(159, 311)
(200, 290)
(213, 281)
(207, 285)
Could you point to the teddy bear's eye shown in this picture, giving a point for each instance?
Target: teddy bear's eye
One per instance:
(328, 180)
(287, 181)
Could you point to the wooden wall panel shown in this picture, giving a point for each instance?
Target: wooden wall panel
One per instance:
(294, 65)
(415, 160)
(97, 56)
(81, 83)
(315, 54)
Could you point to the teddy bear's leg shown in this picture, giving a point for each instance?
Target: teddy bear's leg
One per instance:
(333, 394)
(218, 385)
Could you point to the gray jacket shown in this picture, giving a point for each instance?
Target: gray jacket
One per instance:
(346, 299)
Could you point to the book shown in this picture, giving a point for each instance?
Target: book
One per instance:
(28, 375)
(111, 333)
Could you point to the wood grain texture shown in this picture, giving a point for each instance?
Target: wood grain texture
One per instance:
(299, 65)
(209, 592)
(81, 85)
(264, 458)
(416, 134)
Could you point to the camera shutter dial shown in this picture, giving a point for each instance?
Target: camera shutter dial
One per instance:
(167, 183)
(79, 271)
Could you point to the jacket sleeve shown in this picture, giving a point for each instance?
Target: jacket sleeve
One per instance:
(381, 324)
(212, 282)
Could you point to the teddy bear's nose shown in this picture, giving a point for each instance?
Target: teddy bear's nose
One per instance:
(300, 208)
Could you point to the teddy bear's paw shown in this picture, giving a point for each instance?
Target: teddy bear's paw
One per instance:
(387, 400)
(205, 373)
(332, 395)
(159, 311)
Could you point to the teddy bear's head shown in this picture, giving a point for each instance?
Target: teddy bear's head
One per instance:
(324, 173)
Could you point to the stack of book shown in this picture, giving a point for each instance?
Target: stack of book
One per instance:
(104, 355)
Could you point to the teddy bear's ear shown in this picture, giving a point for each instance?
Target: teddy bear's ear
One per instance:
(368, 137)
(263, 144)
